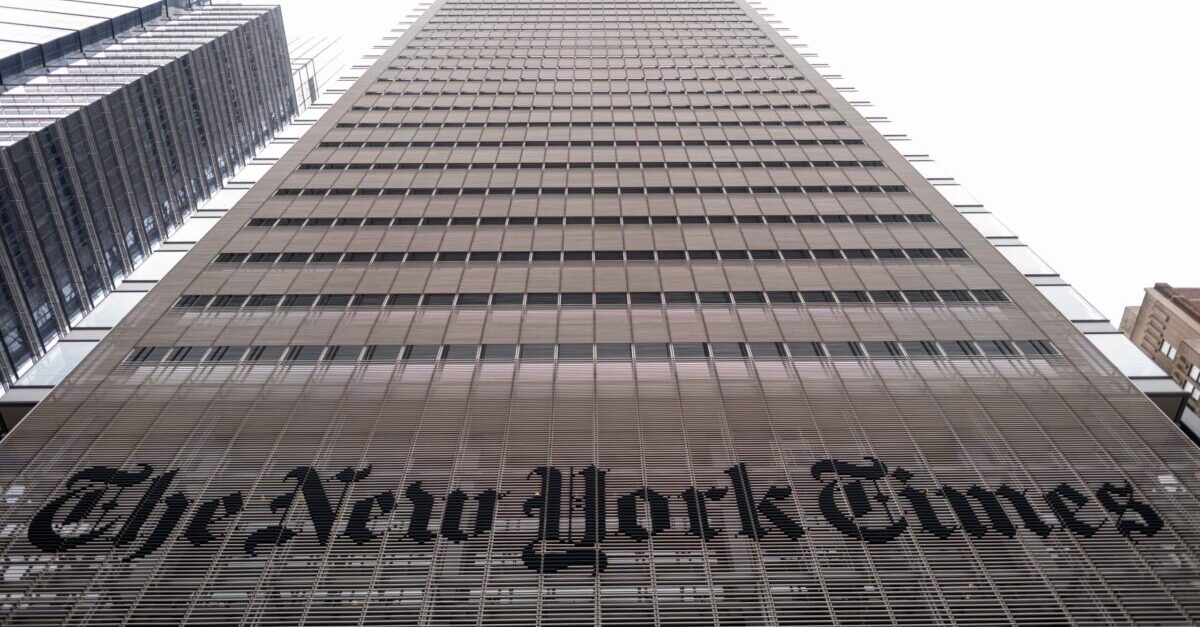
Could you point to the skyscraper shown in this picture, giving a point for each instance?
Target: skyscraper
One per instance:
(118, 120)
(596, 312)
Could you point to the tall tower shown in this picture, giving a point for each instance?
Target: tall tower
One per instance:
(596, 312)
(118, 121)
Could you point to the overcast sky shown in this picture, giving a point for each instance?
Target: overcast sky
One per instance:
(1076, 122)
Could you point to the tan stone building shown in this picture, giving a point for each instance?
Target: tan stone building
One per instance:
(1167, 328)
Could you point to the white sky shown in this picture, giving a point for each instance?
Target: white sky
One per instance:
(1076, 122)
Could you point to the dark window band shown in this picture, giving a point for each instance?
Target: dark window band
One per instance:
(598, 299)
(649, 351)
(590, 191)
(581, 92)
(588, 165)
(656, 107)
(593, 124)
(554, 64)
(858, 219)
(575, 53)
(590, 143)
(556, 256)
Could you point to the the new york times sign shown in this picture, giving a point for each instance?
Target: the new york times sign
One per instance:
(866, 500)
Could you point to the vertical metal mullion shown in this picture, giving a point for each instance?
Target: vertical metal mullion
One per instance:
(85, 211)
(36, 253)
(108, 200)
(123, 167)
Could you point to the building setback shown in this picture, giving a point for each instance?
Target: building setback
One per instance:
(596, 312)
(111, 142)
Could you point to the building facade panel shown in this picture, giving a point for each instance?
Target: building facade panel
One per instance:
(500, 363)
(96, 177)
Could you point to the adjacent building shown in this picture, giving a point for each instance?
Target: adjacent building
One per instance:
(597, 313)
(119, 118)
(1166, 326)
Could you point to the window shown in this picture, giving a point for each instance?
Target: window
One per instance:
(998, 348)
(226, 353)
(422, 353)
(304, 353)
(1167, 349)
(537, 351)
(381, 352)
(343, 353)
(1037, 347)
(689, 350)
(461, 352)
(844, 349)
(265, 353)
(767, 350)
(466, 300)
(498, 352)
(883, 349)
(647, 351)
(805, 349)
(728, 350)
(613, 351)
(369, 300)
(959, 348)
(921, 349)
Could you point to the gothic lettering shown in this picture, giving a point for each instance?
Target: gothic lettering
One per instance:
(993, 511)
(627, 514)
(855, 499)
(1069, 514)
(697, 506)
(1150, 523)
(86, 488)
(547, 502)
(855, 493)
(198, 531)
(749, 510)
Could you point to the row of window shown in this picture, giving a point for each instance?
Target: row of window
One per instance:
(600, 37)
(867, 218)
(553, 88)
(551, 299)
(468, 16)
(560, 44)
(1190, 386)
(495, 77)
(479, 52)
(390, 353)
(627, 11)
(626, 28)
(591, 143)
(651, 27)
(648, 29)
(571, 64)
(576, 74)
(593, 107)
(588, 191)
(590, 8)
(524, 256)
(590, 165)
(592, 124)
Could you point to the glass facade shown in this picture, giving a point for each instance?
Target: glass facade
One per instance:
(596, 313)
(108, 147)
